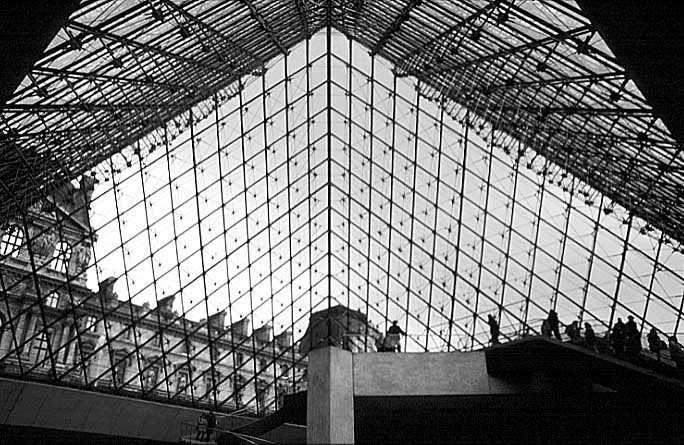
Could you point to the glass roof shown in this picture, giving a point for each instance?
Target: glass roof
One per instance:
(434, 165)
(118, 71)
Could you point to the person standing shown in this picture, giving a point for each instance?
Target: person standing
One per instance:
(393, 338)
(201, 427)
(554, 324)
(589, 337)
(655, 344)
(573, 332)
(633, 339)
(211, 425)
(618, 339)
(493, 329)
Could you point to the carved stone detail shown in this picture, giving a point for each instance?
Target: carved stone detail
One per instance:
(44, 245)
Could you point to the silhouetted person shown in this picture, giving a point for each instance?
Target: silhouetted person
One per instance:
(573, 332)
(546, 329)
(618, 338)
(554, 324)
(655, 344)
(393, 338)
(676, 352)
(493, 329)
(201, 427)
(633, 339)
(211, 424)
(590, 337)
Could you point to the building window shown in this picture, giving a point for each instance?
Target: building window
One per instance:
(120, 369)
(182, 383)
(61, 257)
(239, 389)
(150, 377)
(210, 384)
(90, 324)
(39, 347)
(11, 240)
(261, 395)
(52, 299)
(87, 350)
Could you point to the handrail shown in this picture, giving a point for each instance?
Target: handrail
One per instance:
(190, 430)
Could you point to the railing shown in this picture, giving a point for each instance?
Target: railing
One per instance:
(603, 345)
(195, 433)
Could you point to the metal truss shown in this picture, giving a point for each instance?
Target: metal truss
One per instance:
(426, 162)
(538, 72)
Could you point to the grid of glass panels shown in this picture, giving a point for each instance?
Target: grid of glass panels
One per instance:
(194, 264)
(118, 71)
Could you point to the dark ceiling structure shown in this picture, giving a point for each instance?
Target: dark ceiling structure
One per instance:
(533, 70)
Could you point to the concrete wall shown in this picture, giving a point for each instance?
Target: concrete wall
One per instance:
(330, 397)
(434, 373)
(336, 376)
(47, 406)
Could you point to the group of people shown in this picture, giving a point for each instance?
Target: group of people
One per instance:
(624, 340)
(656, 345)
(551, 327)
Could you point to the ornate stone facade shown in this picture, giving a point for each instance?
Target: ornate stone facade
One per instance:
(52, 327)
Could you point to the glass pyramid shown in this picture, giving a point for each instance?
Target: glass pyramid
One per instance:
(185, 269)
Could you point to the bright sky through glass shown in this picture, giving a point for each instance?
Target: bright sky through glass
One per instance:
(422, 210)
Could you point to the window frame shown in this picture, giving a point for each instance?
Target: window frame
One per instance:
(11, 241)
(52, 299)
(90, 324)
(61, 257)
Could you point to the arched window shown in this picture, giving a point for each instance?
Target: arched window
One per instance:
(12, 237)
(61, 257)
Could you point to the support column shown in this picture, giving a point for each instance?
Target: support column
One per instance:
(330, 397)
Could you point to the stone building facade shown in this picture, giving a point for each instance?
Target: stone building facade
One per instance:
(54, 328)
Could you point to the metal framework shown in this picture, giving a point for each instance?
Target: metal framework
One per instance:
(255, 162)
